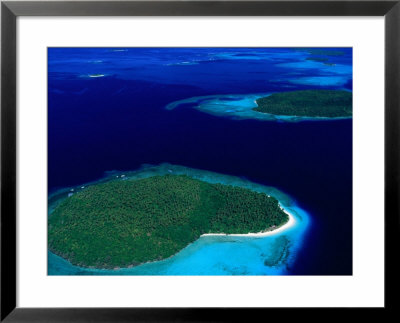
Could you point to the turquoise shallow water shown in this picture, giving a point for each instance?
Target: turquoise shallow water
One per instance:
(332, 74)
(209, 255)
(239, 106)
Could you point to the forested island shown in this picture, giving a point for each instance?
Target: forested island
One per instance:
(308, 103)
(124, 223)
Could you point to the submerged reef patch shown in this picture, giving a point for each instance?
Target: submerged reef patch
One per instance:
(128, 222)
(208, 255)
(293, 106)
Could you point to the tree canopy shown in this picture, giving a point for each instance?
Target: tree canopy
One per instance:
(128, 222)
(308, 103)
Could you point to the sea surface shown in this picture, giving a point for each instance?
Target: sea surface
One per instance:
(109, 109)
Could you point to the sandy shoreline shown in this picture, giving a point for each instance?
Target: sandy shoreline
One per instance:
(287, 225)
(163, 169)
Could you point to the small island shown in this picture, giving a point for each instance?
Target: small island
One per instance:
(317, 59)
(122, 223)
(322, 60)
(307, 103)
(321, 51)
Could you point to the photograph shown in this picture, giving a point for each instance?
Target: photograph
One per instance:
(216, 161)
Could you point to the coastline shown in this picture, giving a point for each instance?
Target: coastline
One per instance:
(261, 234)
(241, 107)
(203, 175)
(263, 250)
(290, 223)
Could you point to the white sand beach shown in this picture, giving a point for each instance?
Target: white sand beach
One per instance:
(287, 225)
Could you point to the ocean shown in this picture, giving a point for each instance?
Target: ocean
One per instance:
(107, 112)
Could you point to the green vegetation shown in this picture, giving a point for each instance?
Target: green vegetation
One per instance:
(308, 103)
(128, 222)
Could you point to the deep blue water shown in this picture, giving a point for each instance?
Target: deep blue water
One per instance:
(119, 122)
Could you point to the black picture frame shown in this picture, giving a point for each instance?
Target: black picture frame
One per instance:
(10, 10)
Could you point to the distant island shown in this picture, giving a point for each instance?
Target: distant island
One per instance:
(122, 223)
(322, 60)
(291, 106)
(317, 59)
(320, 51)
(307, 103)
